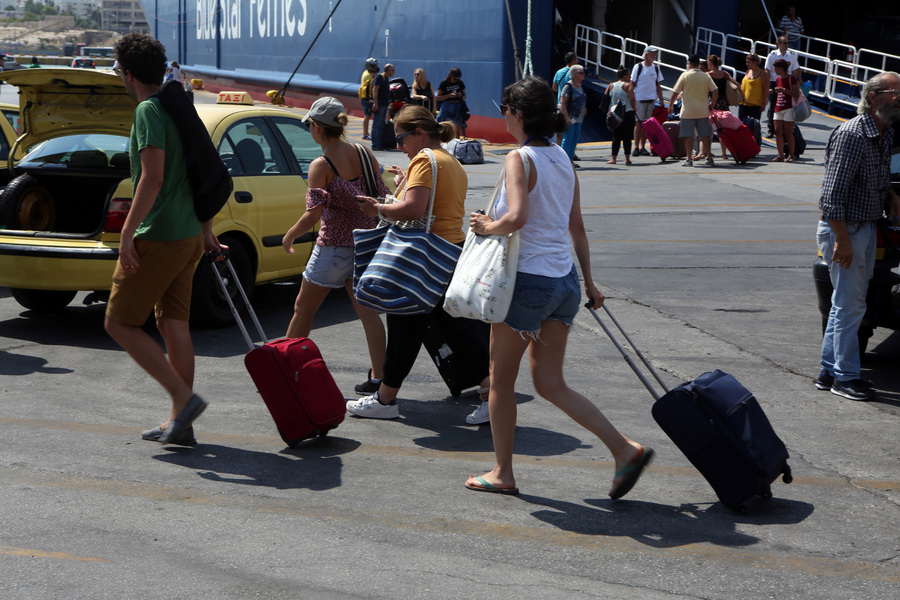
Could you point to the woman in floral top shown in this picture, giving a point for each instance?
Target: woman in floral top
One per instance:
(335, 180)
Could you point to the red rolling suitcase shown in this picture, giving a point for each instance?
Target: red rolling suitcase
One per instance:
(719, 426)
(658, 138)
(291, 377)
(740, 142)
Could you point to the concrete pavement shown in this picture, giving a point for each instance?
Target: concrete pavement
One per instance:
(707, 268)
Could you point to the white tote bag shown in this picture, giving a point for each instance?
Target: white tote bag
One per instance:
(482, 284)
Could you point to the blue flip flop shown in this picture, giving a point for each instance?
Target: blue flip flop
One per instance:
(630, 473)
(487, 486)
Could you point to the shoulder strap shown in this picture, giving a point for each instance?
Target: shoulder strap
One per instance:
(331, 164)
(434, 171)
(526, 164)
(640, 68)
(368, 171)
(657, 71)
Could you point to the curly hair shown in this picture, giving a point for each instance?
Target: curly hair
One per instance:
(142, 56)
(533, 99)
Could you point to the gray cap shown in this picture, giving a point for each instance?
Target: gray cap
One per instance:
(650, 49)
(325, 110)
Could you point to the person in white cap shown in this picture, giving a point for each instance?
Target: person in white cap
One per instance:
(335, 180)
(647, 79)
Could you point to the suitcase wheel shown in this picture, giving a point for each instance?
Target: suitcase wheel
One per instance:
(455, 393)
(787, 477)
(765, 492)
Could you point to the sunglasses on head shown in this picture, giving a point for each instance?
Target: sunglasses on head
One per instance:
(505, 108)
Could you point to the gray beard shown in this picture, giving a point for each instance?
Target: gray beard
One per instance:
(888, 115)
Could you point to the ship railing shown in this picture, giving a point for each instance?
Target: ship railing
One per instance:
(708, 41)
(587, 45)
(881, 60)
(835, 81)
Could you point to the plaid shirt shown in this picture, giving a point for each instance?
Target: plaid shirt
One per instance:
(857, 171)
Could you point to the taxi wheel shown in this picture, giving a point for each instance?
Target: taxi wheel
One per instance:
(209, 308)
(27, 205)
(42, 300)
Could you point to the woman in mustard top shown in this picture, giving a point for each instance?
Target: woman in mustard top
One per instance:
(416, 129)
(755, 86)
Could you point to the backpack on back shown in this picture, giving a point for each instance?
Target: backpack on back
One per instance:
(208, 175)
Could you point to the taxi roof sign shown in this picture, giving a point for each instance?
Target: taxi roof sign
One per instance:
(234, 98)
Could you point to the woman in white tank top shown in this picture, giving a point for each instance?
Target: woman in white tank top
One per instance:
(545, 209)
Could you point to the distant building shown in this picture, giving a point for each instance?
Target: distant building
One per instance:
(78, 8)
(123, 16)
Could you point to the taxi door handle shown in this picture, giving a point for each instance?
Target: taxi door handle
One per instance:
(243, 197)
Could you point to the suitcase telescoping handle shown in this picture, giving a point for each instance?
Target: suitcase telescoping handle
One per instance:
(211, 257)
(647, 384)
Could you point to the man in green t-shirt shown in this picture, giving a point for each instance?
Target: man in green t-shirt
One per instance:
(161, 242)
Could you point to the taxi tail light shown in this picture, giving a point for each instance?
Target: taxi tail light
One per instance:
(115, 216)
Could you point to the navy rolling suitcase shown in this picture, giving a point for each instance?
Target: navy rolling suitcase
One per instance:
(720, 427)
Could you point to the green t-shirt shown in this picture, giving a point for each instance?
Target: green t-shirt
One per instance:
(172, 216)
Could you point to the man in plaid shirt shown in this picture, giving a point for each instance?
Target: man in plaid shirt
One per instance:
(856, 190)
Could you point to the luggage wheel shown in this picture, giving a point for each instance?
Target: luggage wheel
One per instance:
(765, 492)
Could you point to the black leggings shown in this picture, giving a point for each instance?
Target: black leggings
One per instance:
(623, 134)
(405, 334)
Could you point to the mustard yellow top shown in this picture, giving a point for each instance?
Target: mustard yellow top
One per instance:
(753, 91)
(450, 196)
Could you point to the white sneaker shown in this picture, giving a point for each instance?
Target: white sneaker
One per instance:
(481, 415)
(370, 408)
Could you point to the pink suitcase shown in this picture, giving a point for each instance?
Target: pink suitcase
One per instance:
(658, 138)
(291, 377)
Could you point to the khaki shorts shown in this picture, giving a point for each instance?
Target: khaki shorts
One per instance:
(162, 281)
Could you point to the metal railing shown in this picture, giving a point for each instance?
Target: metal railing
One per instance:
(835, 81)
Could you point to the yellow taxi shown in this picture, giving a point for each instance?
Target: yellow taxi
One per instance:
(60, 217)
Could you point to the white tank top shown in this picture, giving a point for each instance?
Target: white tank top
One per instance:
(545, 247)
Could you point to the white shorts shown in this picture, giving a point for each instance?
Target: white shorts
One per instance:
(784, 115)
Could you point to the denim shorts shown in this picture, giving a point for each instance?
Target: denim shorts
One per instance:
(329, 266)
(537, 298)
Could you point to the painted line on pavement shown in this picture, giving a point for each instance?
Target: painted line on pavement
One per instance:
(32, 553)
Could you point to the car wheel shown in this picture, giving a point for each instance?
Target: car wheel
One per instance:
(42, 300)
(209, 308)
(27, 205)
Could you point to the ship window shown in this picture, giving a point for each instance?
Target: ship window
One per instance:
(305, 150)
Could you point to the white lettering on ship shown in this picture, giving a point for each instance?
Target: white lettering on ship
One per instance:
(266, 18)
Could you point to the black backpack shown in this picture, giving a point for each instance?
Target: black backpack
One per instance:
(208, 175)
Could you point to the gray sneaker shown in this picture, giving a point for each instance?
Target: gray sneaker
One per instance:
(368, 407)
(480, 415)
(688, 163)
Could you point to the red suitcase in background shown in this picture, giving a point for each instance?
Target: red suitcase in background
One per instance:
(658, 138)
(740, 142)
(661, 114)
(291, 377)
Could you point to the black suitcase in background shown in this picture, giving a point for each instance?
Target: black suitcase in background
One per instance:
(755, 128)
(799, 142)
(720, 427)
(388, 139)
(460, 349)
